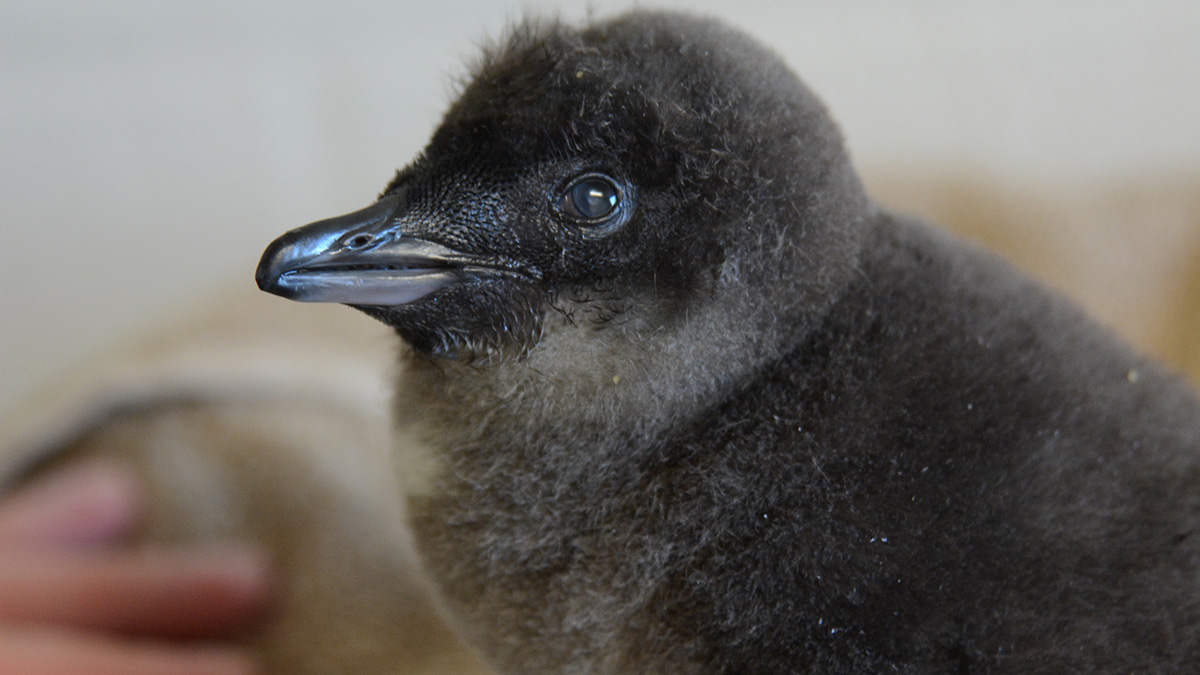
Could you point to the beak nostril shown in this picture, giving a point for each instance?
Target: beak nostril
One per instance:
(360, 241)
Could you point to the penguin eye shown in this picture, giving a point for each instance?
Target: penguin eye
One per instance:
(591, 198)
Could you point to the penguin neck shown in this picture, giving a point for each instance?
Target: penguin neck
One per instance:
(583, 396)
(588, 395)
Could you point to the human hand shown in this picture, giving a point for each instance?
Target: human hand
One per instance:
(72, 601)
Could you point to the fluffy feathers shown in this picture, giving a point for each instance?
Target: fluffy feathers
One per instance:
(753, 423)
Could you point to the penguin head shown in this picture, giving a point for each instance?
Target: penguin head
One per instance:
(632, 176)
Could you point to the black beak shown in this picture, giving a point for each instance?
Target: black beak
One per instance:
(362, 258)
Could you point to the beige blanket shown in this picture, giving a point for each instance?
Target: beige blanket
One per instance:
(263, 420)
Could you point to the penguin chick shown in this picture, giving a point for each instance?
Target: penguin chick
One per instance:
(680, 398)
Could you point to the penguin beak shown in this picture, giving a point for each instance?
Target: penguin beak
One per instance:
(362, 258)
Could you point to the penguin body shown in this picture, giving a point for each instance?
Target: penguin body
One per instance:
(680, 398)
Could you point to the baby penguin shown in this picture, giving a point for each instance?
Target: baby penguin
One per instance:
(678, 397)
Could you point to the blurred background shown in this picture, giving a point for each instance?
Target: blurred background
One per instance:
(150, 149)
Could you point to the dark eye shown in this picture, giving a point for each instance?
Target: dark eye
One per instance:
(591, 198)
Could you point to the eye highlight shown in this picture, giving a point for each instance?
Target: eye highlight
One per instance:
(591, 198)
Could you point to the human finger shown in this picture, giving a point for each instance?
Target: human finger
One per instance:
(85, 504)
(40, 651)
(188, 594)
